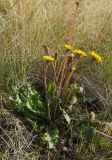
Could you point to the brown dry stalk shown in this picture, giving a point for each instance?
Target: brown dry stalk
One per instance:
(73, 25)
(46, 49)
(45, 79)
(69, 76)
(53, 64)
(54, 70)
(67, 80)
(62, 75)
(60, 69)
(45, 83)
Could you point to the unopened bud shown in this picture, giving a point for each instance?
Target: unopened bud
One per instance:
(93, 116)
(81, 90)
(73, 100)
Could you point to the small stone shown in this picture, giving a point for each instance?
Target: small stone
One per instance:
(65, 149)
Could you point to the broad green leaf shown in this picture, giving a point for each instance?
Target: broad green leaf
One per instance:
(66, 116)
(33, 124)
(28, 101)
(51, 137)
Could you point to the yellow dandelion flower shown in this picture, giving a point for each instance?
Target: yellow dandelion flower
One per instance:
(74, 68)
(96, 56)
(69, 47)
(48, 58)
(79, 52)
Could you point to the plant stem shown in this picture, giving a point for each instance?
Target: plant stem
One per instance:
(46, 96)
(73, 25)
(62, 75)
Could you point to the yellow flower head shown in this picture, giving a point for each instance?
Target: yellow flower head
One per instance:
(74, 68)
(48, 58)
(96, 56)
(79, 52)
(69, 47)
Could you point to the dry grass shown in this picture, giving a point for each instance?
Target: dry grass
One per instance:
(15, 139)
(25, 26)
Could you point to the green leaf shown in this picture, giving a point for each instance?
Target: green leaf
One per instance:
(86, 132)
(66, 116)
(33, 124)
(28, 101)
(51, 137)
(51, 90)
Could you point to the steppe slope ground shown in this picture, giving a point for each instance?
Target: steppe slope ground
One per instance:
(25, 26)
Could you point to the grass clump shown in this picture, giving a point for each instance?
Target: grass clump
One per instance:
(60, 92)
